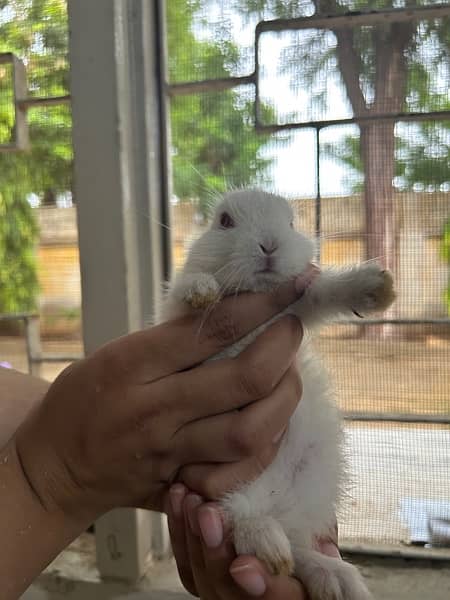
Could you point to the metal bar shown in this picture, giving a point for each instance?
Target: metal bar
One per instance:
(21, 132)
(443, 321)
(16, 316)
(26, 103)
(33, 342)
(54, 358)
(385, 117)
(390, 551)
(317, 202)
(208, 85)
(397, 417)
(165, 174)
(356, 18)
(20, 139)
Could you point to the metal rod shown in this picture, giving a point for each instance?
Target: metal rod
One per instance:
(400, 116)
(208, 85)
(26, 103)
(356, 18)
(33, 344)
(397, 417)
(443, 321)
(317, 203)
(391, 551)
(165, 170)
(17, 316)
(52, 358)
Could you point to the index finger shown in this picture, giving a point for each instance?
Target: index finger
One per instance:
(187, 341)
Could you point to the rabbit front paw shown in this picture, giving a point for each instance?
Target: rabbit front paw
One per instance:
(327, 578)
(202, 291)
(264, 538)
(372, 289)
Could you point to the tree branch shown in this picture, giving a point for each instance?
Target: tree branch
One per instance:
(348, 59)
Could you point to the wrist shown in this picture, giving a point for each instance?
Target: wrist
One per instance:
(49, 480)
(33, 533)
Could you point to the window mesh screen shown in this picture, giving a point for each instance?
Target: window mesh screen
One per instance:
(39, 267)
(384, 193)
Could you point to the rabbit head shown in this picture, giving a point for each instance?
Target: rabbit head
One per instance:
(251, 243)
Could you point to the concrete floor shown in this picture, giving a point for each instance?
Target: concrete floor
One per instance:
(388, 579)
(387, 465)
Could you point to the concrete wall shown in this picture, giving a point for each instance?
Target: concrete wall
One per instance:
(421, 281)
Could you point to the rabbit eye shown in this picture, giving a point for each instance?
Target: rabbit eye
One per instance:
(226, 221)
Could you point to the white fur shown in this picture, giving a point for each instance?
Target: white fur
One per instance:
(278, 516)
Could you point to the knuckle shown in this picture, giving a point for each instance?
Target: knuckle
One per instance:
(202, 481)
(255, 380)
(290, 326)
(221, 328)
(213, 485)
(243, 440)
(112, 361)
(252, 388)
(210, 486)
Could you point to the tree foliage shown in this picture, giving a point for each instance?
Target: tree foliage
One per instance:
(389, 68)
(214, 145)
(213, 142)
(36, 31)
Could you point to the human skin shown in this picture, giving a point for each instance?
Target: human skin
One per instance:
(117, 428)
(206, 560)
(19, 393)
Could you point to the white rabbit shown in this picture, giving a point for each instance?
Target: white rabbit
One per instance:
(252, 245)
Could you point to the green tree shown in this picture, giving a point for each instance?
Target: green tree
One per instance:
(36, 31)
(422, 156)
(445, 251)
(214, 144)
(384, 70)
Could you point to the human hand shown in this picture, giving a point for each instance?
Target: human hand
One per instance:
(206, 559)
(117, 427)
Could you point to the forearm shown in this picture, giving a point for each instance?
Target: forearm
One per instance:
(32, 536)
(19, 393)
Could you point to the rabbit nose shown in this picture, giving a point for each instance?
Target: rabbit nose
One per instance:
(268, 248)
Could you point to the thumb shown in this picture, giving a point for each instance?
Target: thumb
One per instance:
(250, 575)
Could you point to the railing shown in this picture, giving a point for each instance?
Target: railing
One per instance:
(35, 356)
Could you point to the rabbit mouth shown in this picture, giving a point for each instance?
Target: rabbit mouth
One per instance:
(268, 274)
(266, 270)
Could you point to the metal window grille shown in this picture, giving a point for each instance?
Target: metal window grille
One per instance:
(392, 372)
(395, 390)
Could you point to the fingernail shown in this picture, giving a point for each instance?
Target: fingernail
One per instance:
(177, 493)
(249, 580)
(191, 503)
(279, 435)
(210, 526)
